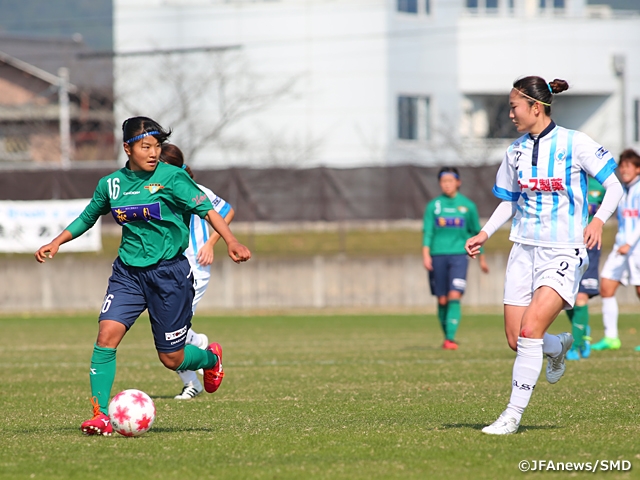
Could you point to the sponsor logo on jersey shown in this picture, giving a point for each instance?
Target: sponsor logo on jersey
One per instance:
(561, 155)
(131, 193)
(593, 208)
(154, 187)
(630, 213)
(601, 152)
(177, 334)
(542, 184)
(455, 222)
(136, 213)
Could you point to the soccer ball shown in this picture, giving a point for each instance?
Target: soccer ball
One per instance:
(132, 412)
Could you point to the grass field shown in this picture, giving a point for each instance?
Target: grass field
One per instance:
(335, 397)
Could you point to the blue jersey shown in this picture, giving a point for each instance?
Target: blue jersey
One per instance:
(628, 222)
(547, 176)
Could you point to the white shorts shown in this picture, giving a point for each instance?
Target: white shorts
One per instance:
(531, 267)
(200, 284)
(622, 268)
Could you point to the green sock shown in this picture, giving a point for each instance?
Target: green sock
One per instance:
(579, 324)
(102, 374)
(194, 358)
(442, 315)
(453, 319)
(570, 314)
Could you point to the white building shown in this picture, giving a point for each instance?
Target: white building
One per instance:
(369, 82)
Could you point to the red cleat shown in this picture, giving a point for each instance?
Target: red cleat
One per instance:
(213, 376)
(450, 345)
(100, 424)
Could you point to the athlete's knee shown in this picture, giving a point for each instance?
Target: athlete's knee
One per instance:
(171, 360)
(454, 295)
(527, 332)
(110, 334)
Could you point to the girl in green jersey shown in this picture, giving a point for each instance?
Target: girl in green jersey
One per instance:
(153, 202)
(448, 220)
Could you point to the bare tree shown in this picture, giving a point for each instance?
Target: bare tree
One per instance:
(203, 96)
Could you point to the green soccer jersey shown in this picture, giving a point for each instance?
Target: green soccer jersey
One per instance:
(153, 208)
(595, 194)
(448, 223)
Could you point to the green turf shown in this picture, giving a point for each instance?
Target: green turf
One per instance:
(335, 397)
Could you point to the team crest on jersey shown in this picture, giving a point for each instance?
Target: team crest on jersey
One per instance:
(561, 155)
(154, 187)
(463, 209)
(601, 152)
(136, 213)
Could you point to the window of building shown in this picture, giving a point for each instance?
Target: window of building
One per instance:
(408, 6)
(427, 7)
(472, 4)
(558, 3)
(414, 118)
(487, 116)
(636, 121)
(492, 4)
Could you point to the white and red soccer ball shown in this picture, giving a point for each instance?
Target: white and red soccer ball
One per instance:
(132, 413)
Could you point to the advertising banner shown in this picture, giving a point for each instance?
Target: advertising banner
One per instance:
(27, 225)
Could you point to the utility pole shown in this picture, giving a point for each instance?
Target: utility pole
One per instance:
(65, 118)
(619, 67)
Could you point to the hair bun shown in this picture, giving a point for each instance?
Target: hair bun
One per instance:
(558, 86)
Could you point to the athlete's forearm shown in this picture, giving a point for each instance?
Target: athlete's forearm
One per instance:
(215, 236)
(503, 213)
(64, 237)
(220, 226)
(611, 198)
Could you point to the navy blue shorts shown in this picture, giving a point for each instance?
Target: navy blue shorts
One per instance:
(165, 289)
(590, 282)
(449, 273)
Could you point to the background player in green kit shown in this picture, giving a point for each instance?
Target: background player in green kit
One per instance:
(153, 202)
(448, 221)
(589, 285)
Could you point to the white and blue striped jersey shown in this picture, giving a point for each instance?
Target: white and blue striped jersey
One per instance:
(548, 176)
(628, 221)
(199, 231)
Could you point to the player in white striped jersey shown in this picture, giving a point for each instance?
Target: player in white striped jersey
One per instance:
(200, 256)
(623, 263)
(542, 183)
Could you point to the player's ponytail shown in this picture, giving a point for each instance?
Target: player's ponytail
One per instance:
(536, 89)
(173, 155)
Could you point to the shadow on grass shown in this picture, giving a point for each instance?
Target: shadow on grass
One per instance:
(478, 426)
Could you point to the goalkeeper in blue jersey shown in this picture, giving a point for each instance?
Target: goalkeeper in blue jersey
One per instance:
(153, 202)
